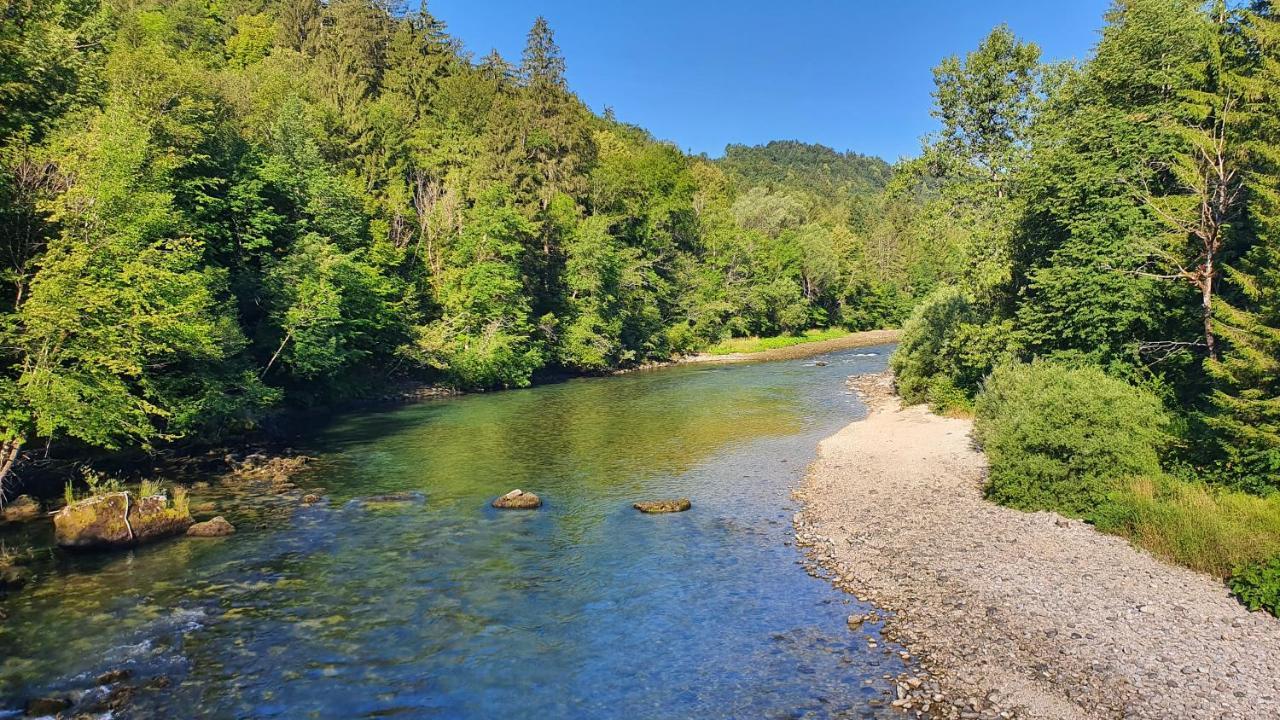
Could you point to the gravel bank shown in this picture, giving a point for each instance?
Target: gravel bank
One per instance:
(1017, 614)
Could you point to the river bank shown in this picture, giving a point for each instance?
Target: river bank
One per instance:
(280, 429)
(865, 338)
(1023, 614)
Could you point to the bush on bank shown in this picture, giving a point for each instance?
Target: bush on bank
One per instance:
(1077, 441)
(1062, 438)
(948, 346)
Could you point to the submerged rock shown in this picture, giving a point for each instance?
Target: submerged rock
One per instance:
(118, 520)
(114, 676)
(23, 507)
(217, 527)
(517, 500)
(663, 506)
(38, 707)
(393, 498)
(12, 577)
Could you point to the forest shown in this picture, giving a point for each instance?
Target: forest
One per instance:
(213, 210)
(1118, 335)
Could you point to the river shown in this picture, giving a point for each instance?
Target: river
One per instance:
(442, 607)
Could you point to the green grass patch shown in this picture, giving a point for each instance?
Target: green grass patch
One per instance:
(760, 344)
(1215, 530)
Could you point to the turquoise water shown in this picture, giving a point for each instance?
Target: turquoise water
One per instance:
(437, 606)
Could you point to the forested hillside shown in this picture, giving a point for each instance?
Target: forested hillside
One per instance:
(813, 168)
(210, 209)
(1127, 211)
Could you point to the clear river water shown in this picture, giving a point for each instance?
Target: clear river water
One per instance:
(439, 606)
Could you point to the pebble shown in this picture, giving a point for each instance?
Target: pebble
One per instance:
(983, 595)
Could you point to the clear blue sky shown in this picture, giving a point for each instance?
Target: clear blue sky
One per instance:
(850, 74)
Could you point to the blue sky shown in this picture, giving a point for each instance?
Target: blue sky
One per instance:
(853, 75)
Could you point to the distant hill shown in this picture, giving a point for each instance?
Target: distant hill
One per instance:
(816, 168)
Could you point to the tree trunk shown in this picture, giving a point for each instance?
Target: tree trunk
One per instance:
(1206, 309)
(8, 456)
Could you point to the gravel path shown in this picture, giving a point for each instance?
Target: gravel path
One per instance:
(1019, 614)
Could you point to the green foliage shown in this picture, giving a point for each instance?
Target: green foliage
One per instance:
(815, 169)
(1062, 438)
(949, 345)
(1258, 585)
(149, 487)
(208, 210)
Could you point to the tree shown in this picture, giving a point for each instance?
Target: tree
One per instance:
(1246, 397)
(986, 103)
(1205, 173)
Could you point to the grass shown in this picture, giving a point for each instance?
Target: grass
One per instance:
(758, 344)
(1214, 530)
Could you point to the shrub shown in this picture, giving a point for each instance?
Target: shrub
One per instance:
(948, 346)
(1060, 438)
(1258, 586)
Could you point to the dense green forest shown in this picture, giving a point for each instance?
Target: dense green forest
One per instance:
(1128, 294)
(212, 209)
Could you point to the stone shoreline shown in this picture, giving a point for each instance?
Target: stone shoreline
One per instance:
(1019, 615)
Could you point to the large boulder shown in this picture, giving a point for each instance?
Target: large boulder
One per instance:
(217, 527)
(117, 519)
(23, 507)
(517, 500)
(663, 506)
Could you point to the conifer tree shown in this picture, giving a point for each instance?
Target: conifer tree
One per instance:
(1247, 397)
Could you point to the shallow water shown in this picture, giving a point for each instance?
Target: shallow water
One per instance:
(440, 606)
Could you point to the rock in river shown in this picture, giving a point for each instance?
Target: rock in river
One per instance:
(217, 527)
(23, 507)
(663, 506)
(517, 500)
(117, 519)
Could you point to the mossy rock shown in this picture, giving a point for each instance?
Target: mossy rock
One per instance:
(116, 520)
(23, 507)
(517, 500)
(663, 506)
(217, 527)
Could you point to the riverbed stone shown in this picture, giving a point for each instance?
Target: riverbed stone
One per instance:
(117, 519)
(23, 507)
(663, 506)
(39, 707)
(217, 527)
(111, 677)
(517, 500)
(393, 498)
(13, 577)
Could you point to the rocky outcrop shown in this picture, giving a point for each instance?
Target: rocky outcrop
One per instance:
(118, 520)
(23, 507)
(517, 500)
(663, 506)
(217, 527)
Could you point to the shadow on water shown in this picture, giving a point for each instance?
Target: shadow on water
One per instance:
(439, 606)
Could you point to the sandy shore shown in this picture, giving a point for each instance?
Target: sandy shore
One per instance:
(1015, 614)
